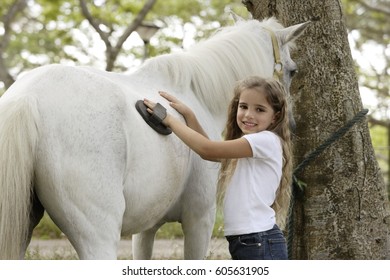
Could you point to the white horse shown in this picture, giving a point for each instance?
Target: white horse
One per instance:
(73, 144)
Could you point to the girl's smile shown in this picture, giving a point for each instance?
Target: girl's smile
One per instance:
(254, 113)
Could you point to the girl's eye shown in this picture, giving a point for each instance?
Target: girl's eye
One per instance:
(242, 106)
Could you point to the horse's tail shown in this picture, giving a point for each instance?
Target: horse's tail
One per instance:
(18, 140)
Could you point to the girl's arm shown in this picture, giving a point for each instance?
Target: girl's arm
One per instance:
(187, 113)
(206, 148)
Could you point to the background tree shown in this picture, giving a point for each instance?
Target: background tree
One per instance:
(343, 212)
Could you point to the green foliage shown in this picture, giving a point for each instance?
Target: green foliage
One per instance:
(46, 229)
(368, 21)
(379, 137)
(173, 230)
(369, 18)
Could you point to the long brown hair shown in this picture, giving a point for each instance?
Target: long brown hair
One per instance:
(277, 98)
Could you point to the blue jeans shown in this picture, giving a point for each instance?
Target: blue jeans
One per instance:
(266, 245)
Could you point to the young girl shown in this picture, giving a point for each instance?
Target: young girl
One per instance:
(256, 164)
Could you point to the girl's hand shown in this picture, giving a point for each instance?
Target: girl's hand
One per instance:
(177, 104)
(186, 111)
(150, 106)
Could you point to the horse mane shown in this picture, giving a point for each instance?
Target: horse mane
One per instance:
(211, 67)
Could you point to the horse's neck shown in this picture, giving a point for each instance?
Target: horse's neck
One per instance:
(177, 75)
(186, 75)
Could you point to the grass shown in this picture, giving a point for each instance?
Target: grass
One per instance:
(46, 229)
(173, 230)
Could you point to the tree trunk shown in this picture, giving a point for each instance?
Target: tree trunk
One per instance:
(343, 212)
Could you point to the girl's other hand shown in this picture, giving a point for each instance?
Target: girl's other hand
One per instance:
(177, 104)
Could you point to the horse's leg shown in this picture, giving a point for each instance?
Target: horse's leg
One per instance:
(197, 235)
(88, 207)
(198, 211)
(143, 243)
(95, 226)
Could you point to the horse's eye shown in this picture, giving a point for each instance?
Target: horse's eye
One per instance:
(293, 72)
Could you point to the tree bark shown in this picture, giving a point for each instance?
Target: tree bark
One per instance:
(343, 212)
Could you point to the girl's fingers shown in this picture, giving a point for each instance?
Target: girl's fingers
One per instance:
(164, 94)
(167, 96)
(174, 102)
(149, 103)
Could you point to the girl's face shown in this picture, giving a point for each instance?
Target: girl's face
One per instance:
(254, 113)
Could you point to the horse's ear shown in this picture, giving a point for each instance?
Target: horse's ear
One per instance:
(289, 34)
(235, 17)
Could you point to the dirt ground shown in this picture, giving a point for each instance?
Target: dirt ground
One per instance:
(164, 249)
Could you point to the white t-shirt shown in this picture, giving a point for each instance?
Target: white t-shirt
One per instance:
(252, 188)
